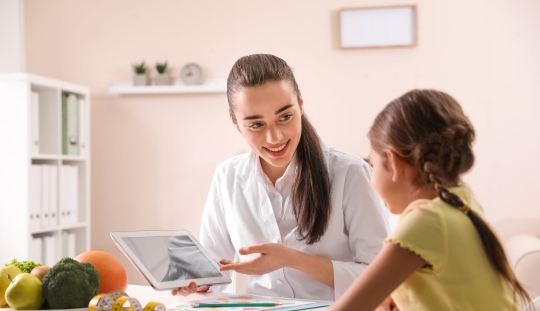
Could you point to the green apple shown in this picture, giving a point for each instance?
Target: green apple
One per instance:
(13, 271)
(24, 292)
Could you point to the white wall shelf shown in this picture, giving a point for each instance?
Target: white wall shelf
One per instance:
(209, 86)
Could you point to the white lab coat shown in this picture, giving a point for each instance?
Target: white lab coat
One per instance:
(239, 212)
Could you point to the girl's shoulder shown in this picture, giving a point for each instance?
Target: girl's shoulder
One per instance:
(343, 159)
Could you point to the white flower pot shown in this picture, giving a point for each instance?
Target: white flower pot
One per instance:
(162, 79)
(140, 79)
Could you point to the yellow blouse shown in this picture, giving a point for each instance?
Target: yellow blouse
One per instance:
(459, 276)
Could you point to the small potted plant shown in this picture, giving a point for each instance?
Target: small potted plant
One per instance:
(162, 77)
(140, 77)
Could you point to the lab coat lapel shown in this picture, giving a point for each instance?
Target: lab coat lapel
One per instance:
(265, 206)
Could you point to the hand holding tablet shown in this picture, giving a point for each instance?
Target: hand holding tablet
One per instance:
(192, 288)
(169, 260)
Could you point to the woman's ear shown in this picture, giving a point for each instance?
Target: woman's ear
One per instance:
(300, 102)
(233, 119)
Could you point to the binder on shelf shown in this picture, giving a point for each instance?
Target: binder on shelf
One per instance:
(70, 124)
(73, 208)
(64, 247)
(36, 249)
(53, 195)
(68, 244)
(83, 137)
(72, 240)
(49, 250)
(69, 194)
(34, 193)
(45, 196)
(34, 123)
(62, 201)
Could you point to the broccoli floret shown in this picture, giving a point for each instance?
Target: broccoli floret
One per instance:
(24, 265)
(70, 284)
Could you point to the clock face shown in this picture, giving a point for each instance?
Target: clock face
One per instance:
(192, 74)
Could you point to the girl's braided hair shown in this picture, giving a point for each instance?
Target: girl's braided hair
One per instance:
(429, 129)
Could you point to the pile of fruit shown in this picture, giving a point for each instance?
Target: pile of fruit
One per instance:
(70, 283)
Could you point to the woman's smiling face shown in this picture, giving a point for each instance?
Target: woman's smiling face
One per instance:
(269, 117)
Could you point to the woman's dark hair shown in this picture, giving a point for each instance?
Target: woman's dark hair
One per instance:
(311, 190)
(429, 130)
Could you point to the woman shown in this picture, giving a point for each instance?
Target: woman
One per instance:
(302, 216)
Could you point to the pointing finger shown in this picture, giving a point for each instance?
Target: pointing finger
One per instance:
(225, 262)
(246, 250)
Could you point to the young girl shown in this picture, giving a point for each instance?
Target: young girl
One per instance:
(442, 254)
(302, 216)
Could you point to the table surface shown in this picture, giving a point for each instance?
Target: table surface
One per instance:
(145, 294)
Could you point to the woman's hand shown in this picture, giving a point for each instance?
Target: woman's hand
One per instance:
(271, 257)
(190, 289)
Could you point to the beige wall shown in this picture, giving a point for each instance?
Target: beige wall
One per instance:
(153, 156)
(12, 36)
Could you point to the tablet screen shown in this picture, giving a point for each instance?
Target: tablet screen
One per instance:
(169, 259)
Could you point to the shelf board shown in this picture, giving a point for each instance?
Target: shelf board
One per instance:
(64, 227)
(209, 86)
(55, 157)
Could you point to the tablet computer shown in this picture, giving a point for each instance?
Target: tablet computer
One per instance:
(169, 259)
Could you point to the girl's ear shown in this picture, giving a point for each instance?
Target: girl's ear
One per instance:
(396, 165)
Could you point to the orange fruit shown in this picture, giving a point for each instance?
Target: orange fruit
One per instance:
(112, 273)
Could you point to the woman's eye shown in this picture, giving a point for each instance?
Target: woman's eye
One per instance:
(254, 125)
(286, 117)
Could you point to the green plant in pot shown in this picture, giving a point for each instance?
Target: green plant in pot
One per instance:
(162, 77)
(140, 77)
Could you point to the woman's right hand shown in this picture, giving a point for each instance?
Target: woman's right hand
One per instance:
(192, 288)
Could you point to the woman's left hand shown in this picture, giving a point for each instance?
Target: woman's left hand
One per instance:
(190, 289)
(272, 257)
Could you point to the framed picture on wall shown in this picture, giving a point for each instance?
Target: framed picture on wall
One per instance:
(368, 27)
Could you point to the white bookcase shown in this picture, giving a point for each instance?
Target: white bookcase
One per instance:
(44, 187)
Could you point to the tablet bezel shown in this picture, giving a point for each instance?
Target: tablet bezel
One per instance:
(117, 237)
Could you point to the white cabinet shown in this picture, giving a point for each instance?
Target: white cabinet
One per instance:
(45, 173)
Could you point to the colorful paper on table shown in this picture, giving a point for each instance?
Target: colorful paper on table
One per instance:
(283, 303)
(311, 305)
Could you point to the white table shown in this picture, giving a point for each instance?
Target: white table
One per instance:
(144, 294)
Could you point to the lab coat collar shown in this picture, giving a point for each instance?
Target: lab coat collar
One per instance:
(255, 165)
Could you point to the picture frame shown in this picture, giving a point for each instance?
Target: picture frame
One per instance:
(377, 27)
